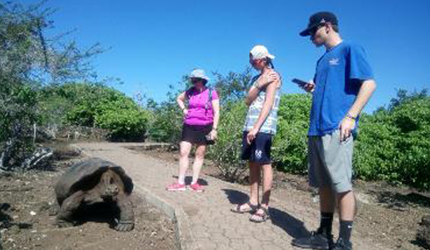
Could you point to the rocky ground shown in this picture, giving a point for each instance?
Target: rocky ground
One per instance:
(26, 199)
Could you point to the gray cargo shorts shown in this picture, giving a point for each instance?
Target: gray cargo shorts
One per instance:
(330, 162)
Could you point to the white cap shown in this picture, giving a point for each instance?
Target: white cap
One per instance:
(260, 52)
(199, 73)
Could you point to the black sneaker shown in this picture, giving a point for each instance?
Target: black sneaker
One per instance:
(342, 245)
(316, 240)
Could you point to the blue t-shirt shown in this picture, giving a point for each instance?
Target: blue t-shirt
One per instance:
(339, 74)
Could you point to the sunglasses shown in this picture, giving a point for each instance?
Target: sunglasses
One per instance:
(314, 30)
(196, 80)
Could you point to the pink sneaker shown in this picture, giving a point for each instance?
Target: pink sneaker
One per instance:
(196, 187)
(176, 187)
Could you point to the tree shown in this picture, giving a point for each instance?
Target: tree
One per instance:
(29, 60)
(233, 87)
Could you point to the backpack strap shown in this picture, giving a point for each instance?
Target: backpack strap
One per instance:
(209, 101)
(189, 92)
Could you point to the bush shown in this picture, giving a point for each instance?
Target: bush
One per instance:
(165, 122)
(123, 119)
(226, 151)
(95, 105)
(290, 143)
(393, 143)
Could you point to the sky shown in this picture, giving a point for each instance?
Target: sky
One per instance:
(154, 43)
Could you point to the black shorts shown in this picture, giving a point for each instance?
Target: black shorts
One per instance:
(195, 134)
(259, 150)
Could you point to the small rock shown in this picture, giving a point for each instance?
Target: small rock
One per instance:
(32, 213)
(14, 229)
(364, 198)
(316, 199)
(43, 206)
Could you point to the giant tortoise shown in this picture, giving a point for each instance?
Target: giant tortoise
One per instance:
(90, 182)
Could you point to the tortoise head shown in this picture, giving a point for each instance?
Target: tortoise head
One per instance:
(112, 185)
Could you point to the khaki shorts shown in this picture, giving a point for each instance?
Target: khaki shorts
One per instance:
(330, 162)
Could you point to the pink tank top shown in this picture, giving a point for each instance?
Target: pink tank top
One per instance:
(200, 111)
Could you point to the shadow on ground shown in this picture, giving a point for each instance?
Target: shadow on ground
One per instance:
(291, 225)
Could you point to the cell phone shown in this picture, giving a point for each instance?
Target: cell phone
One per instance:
(299, 82)
(209, 140)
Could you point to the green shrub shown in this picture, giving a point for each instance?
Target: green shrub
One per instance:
(95, 105)
(88, 101)
(393, 143)
(290, 143)
(226, 151)
(165, 123)
(123, 119)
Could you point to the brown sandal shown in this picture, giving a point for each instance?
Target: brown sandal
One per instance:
(252, 208)
(261, 217)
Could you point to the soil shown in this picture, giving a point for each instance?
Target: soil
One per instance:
(26, 199)
(386, 213)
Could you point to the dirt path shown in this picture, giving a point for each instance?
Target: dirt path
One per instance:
(205, 220)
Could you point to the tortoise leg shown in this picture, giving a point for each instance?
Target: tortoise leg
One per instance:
(69, 206)
(126, 217)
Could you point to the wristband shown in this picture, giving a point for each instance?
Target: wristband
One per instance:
(351, 117)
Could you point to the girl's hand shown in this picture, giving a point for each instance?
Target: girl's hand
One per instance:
(267, 79)
(185, 111)
(251, 135)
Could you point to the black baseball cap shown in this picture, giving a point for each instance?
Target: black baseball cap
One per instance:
(317, 19)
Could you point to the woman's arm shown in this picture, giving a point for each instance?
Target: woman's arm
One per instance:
(181, 101)
(215, 106)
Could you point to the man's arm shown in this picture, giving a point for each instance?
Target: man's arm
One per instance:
(348, 123)
(366, 90)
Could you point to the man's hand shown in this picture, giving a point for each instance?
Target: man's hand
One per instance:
(309, 87)
(251, 135)
(346, 126)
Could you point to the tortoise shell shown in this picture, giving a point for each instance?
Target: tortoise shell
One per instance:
(86, 175)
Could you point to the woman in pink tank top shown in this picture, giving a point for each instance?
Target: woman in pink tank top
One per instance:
(201, 118)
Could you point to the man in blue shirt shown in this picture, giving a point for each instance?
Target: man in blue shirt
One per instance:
(342, 86)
